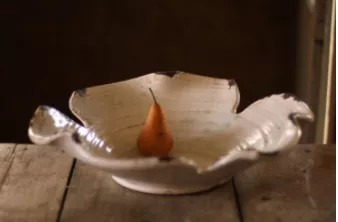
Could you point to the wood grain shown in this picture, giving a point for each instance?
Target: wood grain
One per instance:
(94, 196)
(296, 187)
(33, 182)
(6, 160)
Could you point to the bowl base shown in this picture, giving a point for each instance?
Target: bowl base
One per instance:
(160, 189)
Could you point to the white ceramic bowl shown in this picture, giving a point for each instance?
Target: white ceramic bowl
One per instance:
(212, 142)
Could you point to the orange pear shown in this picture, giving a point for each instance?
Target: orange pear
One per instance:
(155, 138)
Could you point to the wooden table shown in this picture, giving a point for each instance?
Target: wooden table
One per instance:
(44, 184)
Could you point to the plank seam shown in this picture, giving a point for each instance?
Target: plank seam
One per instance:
(9, 165)
(237, 200)
(65, 193)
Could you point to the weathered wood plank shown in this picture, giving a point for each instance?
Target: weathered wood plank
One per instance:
(33, 187)
(6, 157)
(94, 196)
(297, 187)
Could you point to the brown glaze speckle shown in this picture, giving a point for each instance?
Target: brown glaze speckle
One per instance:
(270, 154)
(44, 108)
(165, 158)
(289, 95)
(76, 138)
(81, 92)
(231, 83)
(134, 125)
(168, 73)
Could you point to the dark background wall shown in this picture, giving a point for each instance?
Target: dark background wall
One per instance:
(50, 48)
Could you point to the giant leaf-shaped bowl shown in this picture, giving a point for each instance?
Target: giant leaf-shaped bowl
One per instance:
(212, 142)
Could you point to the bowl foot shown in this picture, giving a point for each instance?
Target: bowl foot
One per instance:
(162, 189)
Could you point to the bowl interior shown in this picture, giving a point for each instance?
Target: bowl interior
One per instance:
(198, 112)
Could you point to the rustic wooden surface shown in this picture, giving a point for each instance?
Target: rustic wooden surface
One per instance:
(297, 187)
(94, 196)
(42, 184)
(32, 183)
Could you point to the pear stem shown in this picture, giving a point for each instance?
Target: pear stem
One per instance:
(153, 95)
